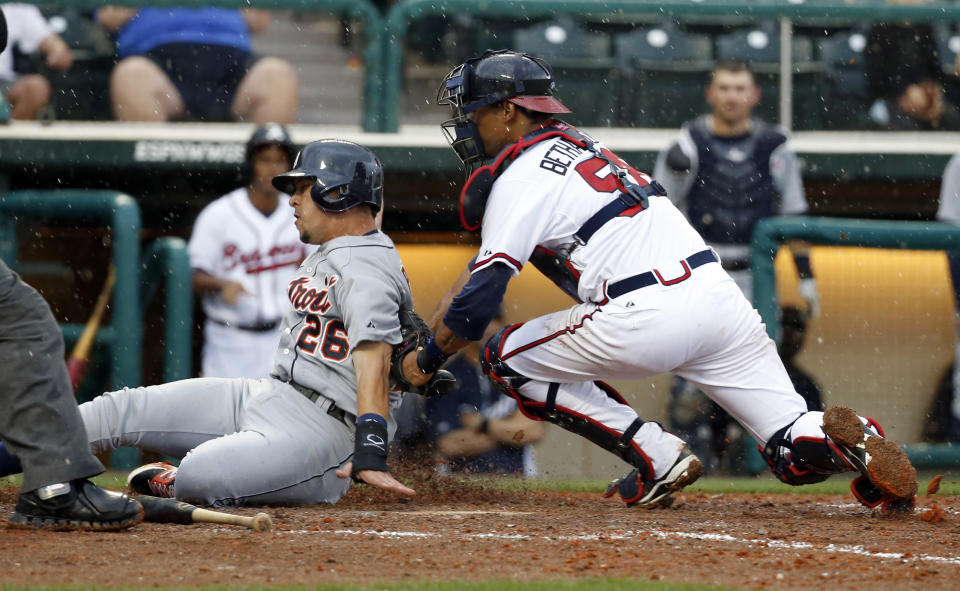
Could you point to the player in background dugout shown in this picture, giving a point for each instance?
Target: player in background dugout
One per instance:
(476, 428)
(653, 299)
(196, 64)
(726, 171)
(244, 250)
(943, 423)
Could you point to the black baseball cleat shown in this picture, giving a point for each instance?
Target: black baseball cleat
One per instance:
(76, 505)
(635, 491)
(864, 449)
(156, 479)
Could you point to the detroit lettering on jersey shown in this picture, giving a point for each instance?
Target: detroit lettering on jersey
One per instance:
(312, 300)
(560, 156)
(253, 262)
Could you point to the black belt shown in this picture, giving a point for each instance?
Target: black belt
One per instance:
(258, 327)
(618, 288)
(348, 419)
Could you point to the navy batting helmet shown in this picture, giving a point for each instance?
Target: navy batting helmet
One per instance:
(270, 134)
(345, 175)
(495, 76)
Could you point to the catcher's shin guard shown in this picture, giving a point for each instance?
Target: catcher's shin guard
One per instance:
(509, 382)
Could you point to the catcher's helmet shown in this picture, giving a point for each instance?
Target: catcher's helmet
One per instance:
(270, 134)
(345, 174)
(495, 76)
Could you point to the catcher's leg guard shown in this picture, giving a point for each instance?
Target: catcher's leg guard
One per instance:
(510, 381)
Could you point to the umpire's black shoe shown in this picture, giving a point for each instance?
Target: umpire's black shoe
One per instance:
(79, 504)
(635, 491)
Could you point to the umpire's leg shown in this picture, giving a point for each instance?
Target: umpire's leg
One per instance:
(39, 421)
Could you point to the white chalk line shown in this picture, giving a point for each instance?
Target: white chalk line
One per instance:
(854, 549)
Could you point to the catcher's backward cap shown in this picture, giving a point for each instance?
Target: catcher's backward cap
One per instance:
(345, 174)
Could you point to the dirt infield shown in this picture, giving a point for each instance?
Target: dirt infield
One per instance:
(474, 533)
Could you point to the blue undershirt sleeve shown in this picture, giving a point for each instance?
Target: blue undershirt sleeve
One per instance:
(478, 302)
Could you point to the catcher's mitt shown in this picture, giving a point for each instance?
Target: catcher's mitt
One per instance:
(414, 334)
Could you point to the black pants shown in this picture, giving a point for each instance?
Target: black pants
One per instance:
(39, 420)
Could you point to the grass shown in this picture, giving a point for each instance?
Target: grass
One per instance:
(763, 484)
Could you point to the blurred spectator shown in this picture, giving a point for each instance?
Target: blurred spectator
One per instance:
(196, 64)
(244, 249)
(348, 34)
(728, 170)
(30, 33)
(905, 77)
(476, 428)
(943, 421)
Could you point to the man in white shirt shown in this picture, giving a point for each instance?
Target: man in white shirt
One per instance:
(244, 250)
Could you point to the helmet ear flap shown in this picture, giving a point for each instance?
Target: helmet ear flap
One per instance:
(317, 192)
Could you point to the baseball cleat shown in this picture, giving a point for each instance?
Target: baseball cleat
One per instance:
(76, 505)
(657, 493)
(155, 479)
(864, 449)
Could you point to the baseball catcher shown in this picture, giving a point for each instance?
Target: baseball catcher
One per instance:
(652, 298)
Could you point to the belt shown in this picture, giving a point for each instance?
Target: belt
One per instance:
(258, 327)
(348, 419)
(618, 288)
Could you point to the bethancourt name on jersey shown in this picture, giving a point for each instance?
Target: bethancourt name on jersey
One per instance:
(560, 156)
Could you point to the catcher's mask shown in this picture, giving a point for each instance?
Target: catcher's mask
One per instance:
(345, 175)
(495, 76)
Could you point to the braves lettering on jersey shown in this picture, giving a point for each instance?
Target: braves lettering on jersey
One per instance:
(233, 240)
(279, 439)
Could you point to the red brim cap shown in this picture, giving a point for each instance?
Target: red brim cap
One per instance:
(540, 104)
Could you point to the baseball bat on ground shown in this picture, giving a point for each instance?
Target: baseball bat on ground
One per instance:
(77, 362)
(162, 510)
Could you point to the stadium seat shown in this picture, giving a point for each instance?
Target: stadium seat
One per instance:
(843, 87)
(587, 78)
(657, 62)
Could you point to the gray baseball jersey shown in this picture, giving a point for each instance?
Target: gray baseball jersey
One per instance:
(247, 441)
(348, 291)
